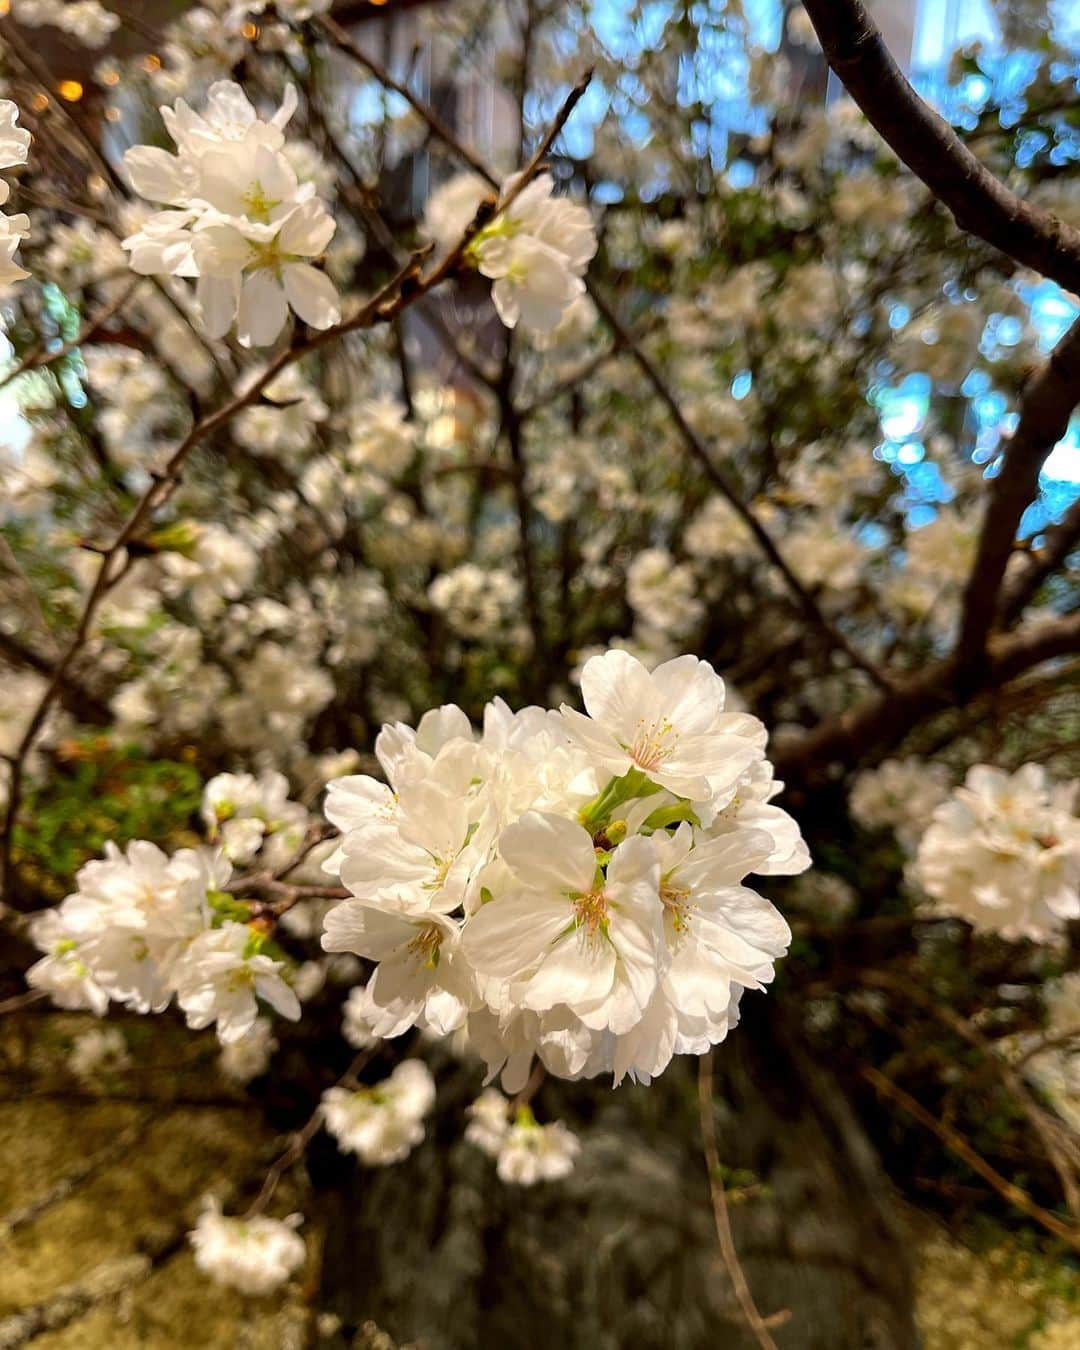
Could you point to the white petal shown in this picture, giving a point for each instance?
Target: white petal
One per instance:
(263, 310)
(311, 294)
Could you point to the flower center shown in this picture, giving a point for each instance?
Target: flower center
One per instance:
(425, 945)
(258, 204)
(653, 743)
(441, 872)
(591, 911)
(676, 902)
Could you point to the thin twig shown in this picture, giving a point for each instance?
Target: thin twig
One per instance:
(721, 1217)
(1055, 1141)
(303, 1137)
(926, 143)
(956, 1143)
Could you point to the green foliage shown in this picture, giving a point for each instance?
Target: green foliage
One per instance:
(100, 792)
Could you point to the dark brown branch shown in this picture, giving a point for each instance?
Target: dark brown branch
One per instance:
(881, 721)
(956, 1143)
(1059, 542)
(341, 39)
(1046, 405)
(929, 147)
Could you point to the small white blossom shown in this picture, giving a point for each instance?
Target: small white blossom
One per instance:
(384, 1123)
(237, 218)
(253, 1255)
(900, 794)
(1003, 852)
(97, 1052)
(221, 974)
(249, 1057)
(531, 1152)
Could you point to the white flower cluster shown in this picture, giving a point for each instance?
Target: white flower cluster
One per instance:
(536, 248)
(249, 1057)
(143, 927)
(238, 218)
(14, 146)
(243, 811)
(84, 20)
(568, 885)
(255, 1255)
(1004, 853)
(525, 1152)
(478, 602)
(900, 795)
(384, 1123)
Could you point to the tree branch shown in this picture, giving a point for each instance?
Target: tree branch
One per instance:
(956, 1143)
(883, 720)
(926, 143)
(1046, 405)
(1059, 542)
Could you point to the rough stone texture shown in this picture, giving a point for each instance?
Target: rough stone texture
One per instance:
(97, 1194)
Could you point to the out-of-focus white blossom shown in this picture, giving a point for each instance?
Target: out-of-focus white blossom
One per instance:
(1003, 852)
(535, 249)
(253, 1255)
(14, 145)
(477, 602)
(97, 1053)
(900, 795)
(384, 1123)
(242, 810)
(249, 1057)
(525, 1151)
(86, 21)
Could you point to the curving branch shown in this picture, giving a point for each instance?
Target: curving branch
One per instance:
(881, 721)
(955, 1142)
(1059, 541)
(931, 149)
(1046, 405)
